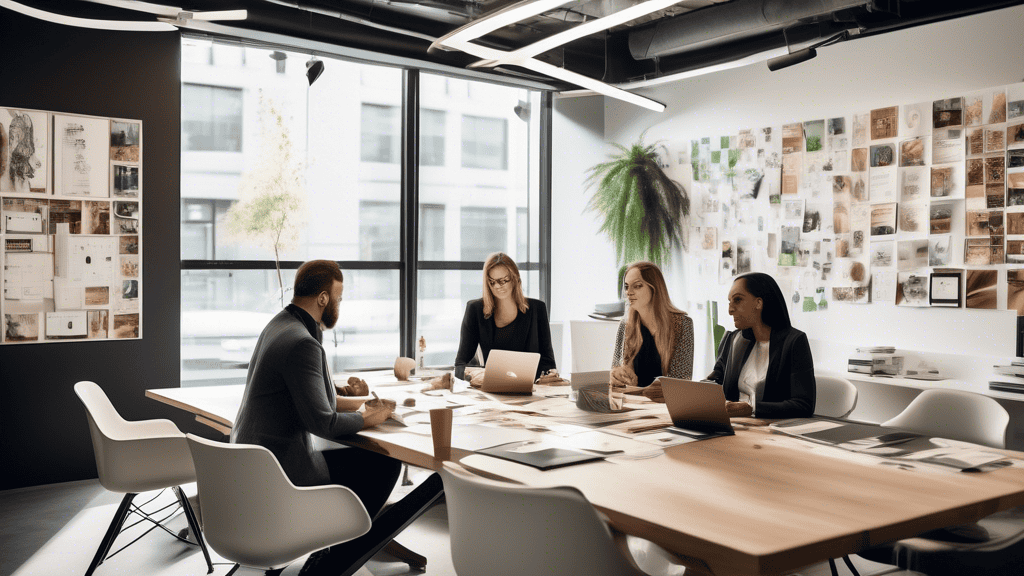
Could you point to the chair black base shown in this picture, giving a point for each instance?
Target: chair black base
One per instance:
(125, 508)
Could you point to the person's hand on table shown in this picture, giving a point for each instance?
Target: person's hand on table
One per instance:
(655, 392)
(623, 376)
(377, 411)
(475, 377)
(738, 409)
(551, 378)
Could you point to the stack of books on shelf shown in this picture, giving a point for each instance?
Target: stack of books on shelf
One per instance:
(876, 361)
(1008, 378)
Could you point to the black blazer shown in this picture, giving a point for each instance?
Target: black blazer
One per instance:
(789, 388)
(289, 395)
(479, 330)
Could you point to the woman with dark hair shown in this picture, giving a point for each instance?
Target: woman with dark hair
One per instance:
(765, 365)
(504, 318)
(655, 338)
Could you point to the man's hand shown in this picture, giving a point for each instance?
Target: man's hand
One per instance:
(376, 412)
(738, 409)
(623, 376)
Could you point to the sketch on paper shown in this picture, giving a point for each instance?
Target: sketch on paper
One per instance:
(911, 289)
(860, 130)
(947, 145)
(945, 289)
(939, 250)
(98, 324)
(23, 151)
(913, 183)
(882, 254)
(995, 140)
(790, 242)
(915, 119)
(80, 156)
(792, 138)
(859, 160)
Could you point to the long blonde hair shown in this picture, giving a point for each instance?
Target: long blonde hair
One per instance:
(664, 312)
(501, 259)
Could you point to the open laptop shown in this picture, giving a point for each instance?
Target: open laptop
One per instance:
(509, 372)
(697, 407)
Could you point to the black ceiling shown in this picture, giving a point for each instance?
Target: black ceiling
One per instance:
(691, 34)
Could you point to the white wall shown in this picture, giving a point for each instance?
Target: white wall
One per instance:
(925, 63)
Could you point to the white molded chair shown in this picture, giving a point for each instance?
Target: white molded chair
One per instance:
(835, 396)
(134, 457)
(957, 415)
(502, 529)
(557, 333)
(593, 344)
(254, 516)
(992, 546)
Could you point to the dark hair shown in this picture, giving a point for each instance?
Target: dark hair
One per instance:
(775, 312)
(316, 276)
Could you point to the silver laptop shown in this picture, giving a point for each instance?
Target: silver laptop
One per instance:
(696, 406)
(509, 372)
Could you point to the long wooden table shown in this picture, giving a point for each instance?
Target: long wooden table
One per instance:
(756, 503)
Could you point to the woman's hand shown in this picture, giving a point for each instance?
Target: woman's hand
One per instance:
(623, 376)
(375, 412)
(738, 409)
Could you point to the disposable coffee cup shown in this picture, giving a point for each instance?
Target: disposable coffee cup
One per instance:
(441, 432)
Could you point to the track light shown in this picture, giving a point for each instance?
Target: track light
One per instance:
(314, 68)
(787, 60)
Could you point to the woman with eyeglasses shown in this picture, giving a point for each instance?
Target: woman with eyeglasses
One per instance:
(504, 319)
(655, 338)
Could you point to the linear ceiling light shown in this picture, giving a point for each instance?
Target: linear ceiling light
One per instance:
(461, 39)
(117, 25)
(174, 13)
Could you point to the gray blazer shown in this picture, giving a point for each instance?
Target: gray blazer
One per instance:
(289, 395)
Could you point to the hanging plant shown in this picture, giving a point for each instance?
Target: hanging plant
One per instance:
(644, 210)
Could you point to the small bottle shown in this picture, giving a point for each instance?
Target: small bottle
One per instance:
(420, 349)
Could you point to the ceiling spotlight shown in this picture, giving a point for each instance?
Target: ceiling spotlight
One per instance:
(314, 68)
(786, 60)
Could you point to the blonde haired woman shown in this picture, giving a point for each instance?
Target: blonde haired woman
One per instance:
(655, 338)
(504, 319)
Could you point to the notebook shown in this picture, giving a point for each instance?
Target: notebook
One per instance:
(697, 408)
(544, 459)
(509, 372)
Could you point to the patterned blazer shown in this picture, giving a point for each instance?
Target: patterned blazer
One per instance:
(681, 365)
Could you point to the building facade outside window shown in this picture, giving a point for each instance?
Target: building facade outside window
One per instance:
(475, 197)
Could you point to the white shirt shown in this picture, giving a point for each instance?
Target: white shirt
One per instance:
(753, 375)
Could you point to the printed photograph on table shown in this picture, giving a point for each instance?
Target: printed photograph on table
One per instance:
(945, 289)
(24, 151)
(912, 289)
(980, 289)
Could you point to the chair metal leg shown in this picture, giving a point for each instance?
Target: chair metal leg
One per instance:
(832, 567)
(406, 481)
(193, 524)
(112, 532)
(849, 564)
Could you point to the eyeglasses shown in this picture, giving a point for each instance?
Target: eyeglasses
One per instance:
(500, 281)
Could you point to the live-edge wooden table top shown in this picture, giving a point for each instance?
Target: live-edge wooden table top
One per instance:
(756, 503)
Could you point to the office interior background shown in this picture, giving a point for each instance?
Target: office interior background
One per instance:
(482, 149)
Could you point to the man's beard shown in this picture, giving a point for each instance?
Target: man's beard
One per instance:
(330, 315)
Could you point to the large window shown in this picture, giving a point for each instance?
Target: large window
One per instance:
(211, 118)
(345, 134)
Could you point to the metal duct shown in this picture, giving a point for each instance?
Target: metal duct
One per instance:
(726, 22)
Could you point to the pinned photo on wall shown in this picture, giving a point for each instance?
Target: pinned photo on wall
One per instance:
(882, 254)
(947, 181)
(913, 217)
(789, 246)
(125, 140)
(1015, 179)
(24, 151)
(940, 218)
(883, 286)
(852, 283)
(995, 140)
(915, 119)
(743, 255)
(883, 219)
(66, 215)
(946, 289)
(791, 167)
(1015, 159)
(815, 217)
(1015, 291)
(912, 289)
(947, 112)
(913, 152)
(21, 327)
(911, 255)
(1015, 251)
(859, 160)
(1015, 223)
(24, 216)
(841, 217)
(126, 217)
(940, 251)
(1015, 101)
(841, 189)
(126, 326)
(793, 209)
(792, 138)
(1015, 135)
(80, 156)
(97, 296)
(914, 184)
(983, 251)
(980, 289)
(975, 141)
(708, 237)
(1014, 197)
(884, 123)
(975, 171)
(985, 107)
(883, 155)
(814, 135)
(727, 264)
(947, 145)
(130, 245)
(98, 324)
(861, 190)
(124, 181)
(861, 130)
(95, 217)
(67, 324)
